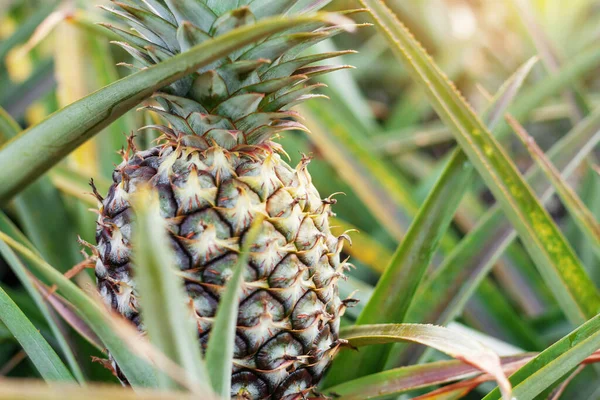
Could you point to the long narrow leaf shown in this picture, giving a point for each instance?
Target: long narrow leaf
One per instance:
(556, 260)
(396, 287)
(44, 358)
(163, 303)
(219, 350)
(452, 343)
(401, 380)
(452, 284)
(41, 212)
(582, 216)
(27, 28)
(20, 271)
(139, 372)
(534, 96)
(8, 126)
(32, 153)
(554, 362)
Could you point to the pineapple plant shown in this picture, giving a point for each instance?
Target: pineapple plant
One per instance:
(219, 269)
(216, 169)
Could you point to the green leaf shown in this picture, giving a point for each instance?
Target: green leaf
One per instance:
(401, 380)
(219, 350)
(20, 270)
(163, 302)
(582, 216)
(45, 360)
(138, 372)
(444, 294)
(41, 212)
(498, 312)
(452, 343)
(66, 311)
(343, 88)
(396, 287)
(555, 259)
(37, 149)
(553, 363)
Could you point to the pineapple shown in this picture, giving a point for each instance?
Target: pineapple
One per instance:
(215, 170)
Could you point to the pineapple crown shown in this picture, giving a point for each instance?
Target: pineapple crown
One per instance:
(240, 100)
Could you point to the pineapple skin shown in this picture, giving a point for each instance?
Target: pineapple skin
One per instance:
(289, 311)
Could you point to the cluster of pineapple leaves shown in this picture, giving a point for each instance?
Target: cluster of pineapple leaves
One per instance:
(478, 213)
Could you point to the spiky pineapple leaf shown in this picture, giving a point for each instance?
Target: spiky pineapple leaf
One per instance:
(41, 212)
(582, 216)
(555, 362)
(164, 306)
(556, 260)
(67, 312)
(44, 358)
(104, 73)
(446, 292)
(396, 287)
(344, 89)
(21, 271)
(33, 152)
(450, 286)
(220, 347)
(405, 379)
(453, 343)
(138, 371)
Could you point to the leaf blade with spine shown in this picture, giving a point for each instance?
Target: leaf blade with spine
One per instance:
(405, 379)
(163, 302)
(44, 358)
(139, 372)
(220, 347)
(42, 212)
(396, 287)
(452, 343)
(556, 260)
(582, 216)
(478, 250)
(553, 363)
(20, 270)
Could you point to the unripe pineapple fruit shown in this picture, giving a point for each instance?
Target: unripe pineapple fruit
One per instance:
(215, 171)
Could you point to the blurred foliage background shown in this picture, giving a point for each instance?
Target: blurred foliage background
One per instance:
(376, 140)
